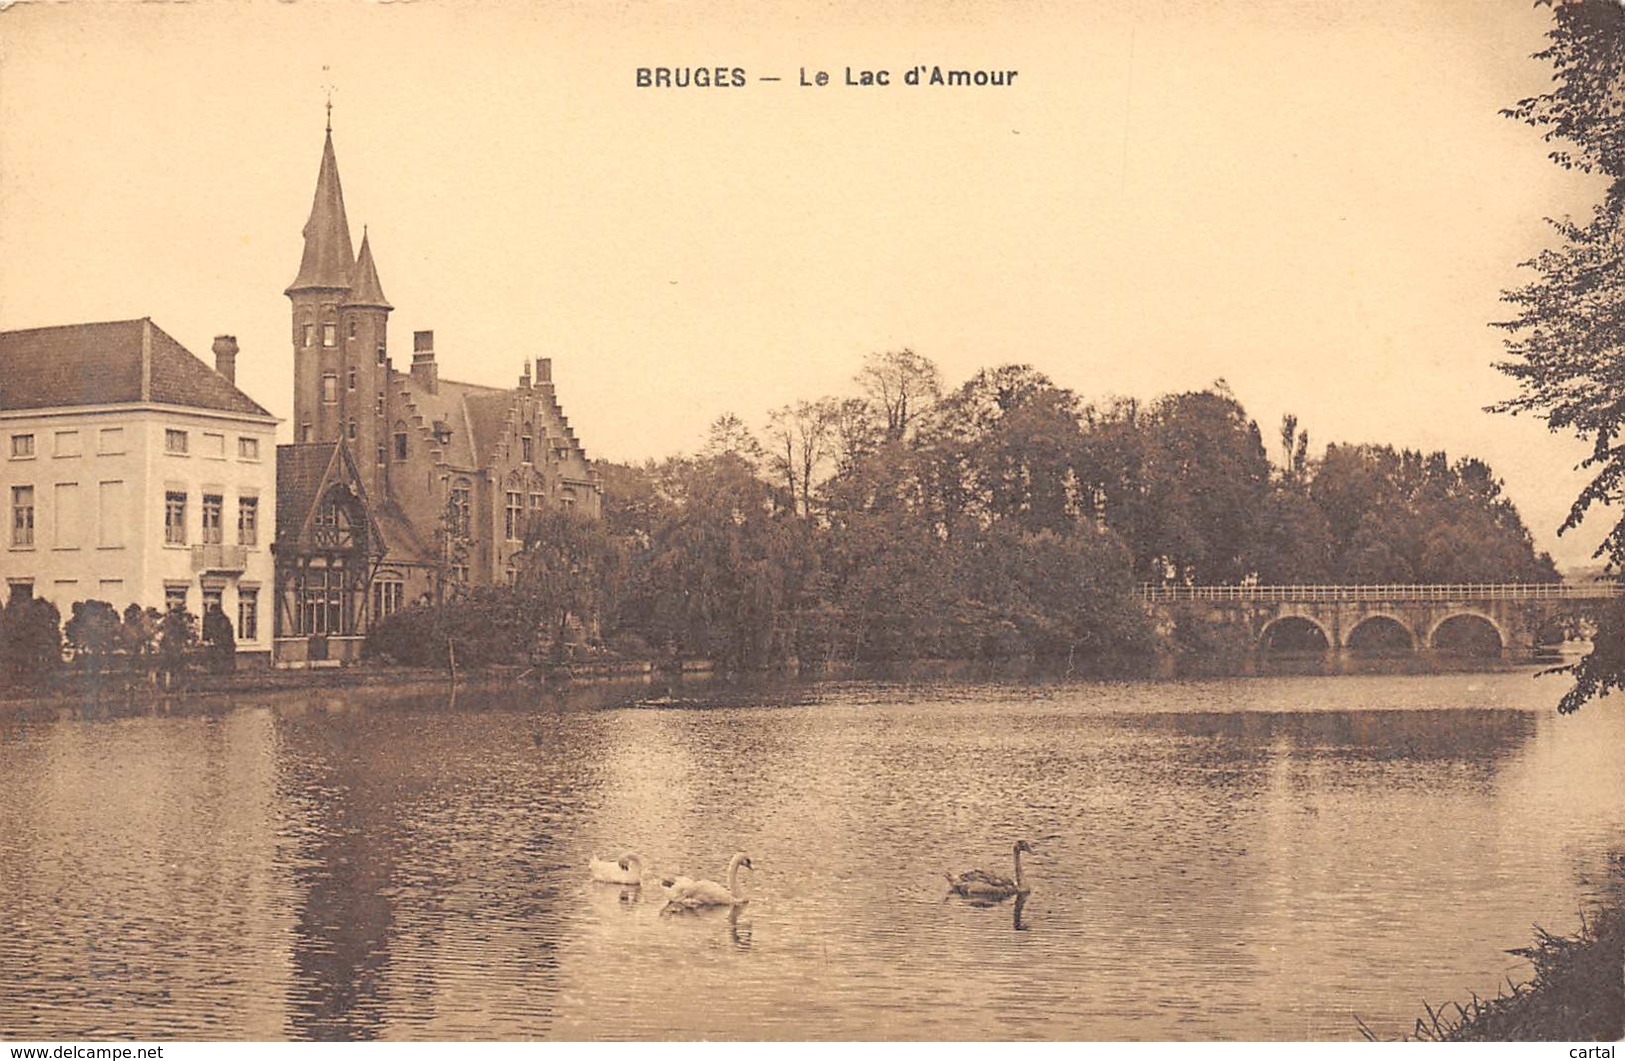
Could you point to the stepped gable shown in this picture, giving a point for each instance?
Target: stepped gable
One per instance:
(110, 363)
(450, 405)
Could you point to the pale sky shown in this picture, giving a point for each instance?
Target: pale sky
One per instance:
(1317, 202)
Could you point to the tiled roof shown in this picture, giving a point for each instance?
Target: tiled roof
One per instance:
(301, 469)
(112, 363)
(401, 538)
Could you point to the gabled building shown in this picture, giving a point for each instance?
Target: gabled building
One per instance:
(433, 481)
(135, 473)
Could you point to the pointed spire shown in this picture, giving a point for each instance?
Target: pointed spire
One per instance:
(328, 256)
(364, 288)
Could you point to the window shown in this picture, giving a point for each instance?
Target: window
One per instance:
(309, 338)
(248, 449)
(211, 599)
(388, 594)
(22, 516)
(515, 522)
(400, 445)
(175, 596)
(22, 446)
(174, 441)
(110, 514)
(214, 446)
(175, 517)
(248, 613)
(351, 430)
(213, 506)
(352, 329)
(248, 521)
(536, 502)
(321, 602)
(65, 526)
(67, 443)
(307, 433)
(110, 590)
(383, 355)
(350, 380)
(527, 450)
(330, 334)
(20, 590)
(461, 508)
(330, 387)
(383, 453)
(379, 407)
(110, 440)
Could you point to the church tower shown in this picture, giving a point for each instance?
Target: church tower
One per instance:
(340, 341)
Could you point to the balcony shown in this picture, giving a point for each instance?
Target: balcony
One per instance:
(225, 559)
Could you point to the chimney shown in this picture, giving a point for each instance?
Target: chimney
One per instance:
(225, 357)
(423, 366)
(544, 370)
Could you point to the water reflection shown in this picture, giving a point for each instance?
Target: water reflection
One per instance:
(1242, 858)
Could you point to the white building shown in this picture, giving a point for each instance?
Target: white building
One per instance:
(133, 472)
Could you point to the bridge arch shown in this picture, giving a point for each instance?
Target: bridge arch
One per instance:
(1380, 632)
(1294, 633)
(1468, 632)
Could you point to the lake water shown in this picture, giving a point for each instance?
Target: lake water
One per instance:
(1246, 858)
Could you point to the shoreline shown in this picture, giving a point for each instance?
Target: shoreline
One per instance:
(1575, 992)
(85, 692)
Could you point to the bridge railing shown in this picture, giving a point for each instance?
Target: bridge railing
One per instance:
(1475, 591)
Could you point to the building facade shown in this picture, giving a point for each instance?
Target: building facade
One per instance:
(135, 473)
(399, 485)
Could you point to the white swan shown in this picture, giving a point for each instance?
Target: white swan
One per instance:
(687, 893)
(629, 870)
(990, 887)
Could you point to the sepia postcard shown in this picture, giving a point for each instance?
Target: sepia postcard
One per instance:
(678, 521)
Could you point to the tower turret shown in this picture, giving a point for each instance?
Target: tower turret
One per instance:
(317, 293)
(364, 321)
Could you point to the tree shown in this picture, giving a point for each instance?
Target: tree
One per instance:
(92, 631)
(1006, 445)
(30, 641)
(903, 385)
(1202, 484)
(220, 639)
(568, 571)
(804, 439)
(1566, 339)
(177, 633)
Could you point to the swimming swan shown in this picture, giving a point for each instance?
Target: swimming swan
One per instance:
(686, 893)
(629, 870)
(980, 884)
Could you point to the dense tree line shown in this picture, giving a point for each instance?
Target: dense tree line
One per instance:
(1005, 517)
(38, 648)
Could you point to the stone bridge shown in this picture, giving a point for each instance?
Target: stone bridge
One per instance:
(1482, 619)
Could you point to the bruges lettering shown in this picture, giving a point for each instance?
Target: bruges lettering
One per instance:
(691, 76)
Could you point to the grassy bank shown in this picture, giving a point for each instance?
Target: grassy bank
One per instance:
(1577, 992)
